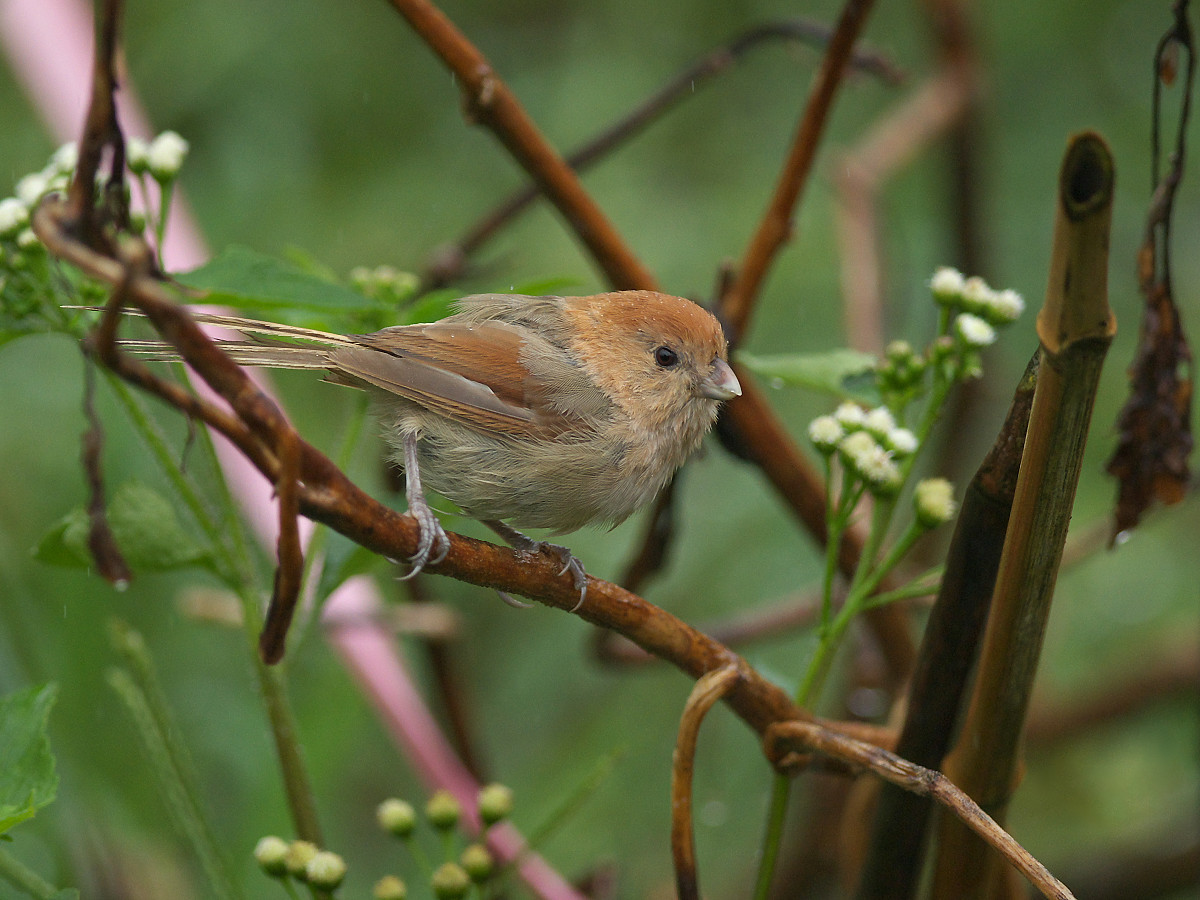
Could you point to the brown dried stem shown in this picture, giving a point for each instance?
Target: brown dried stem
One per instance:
(709, 688)
(775, 228)
(489, 102)
(326, 495)
(783, 741)
(947, 656)
(1151, 458)
(493, 105)
(448, 260)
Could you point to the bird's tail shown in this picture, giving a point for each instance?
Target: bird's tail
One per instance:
(268, 344)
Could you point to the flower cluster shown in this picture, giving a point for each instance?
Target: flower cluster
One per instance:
(161, 158)
(868, 443)
(387, 284)
(15, 233)
(301, 860)
(452, 879)
(974, 297)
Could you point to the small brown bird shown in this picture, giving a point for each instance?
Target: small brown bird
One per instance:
(527, 412)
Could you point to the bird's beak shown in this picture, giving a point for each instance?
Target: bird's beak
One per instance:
(721, 383)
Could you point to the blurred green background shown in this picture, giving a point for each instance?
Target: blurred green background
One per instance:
(329, 127)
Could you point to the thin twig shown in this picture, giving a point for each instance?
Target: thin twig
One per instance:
(775, 228)
(102, 544)
(326, 495)
(447, 261)
(288, 574)
(708, 690)
(489, 101)
(786, 738)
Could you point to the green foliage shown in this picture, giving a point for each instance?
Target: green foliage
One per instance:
(838, 372)
(146, 527)
(246, 279)
(28, 780)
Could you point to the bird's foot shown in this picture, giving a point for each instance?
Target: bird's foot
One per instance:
(526, 544)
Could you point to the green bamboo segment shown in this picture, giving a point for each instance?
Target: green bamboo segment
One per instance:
(1075, 327)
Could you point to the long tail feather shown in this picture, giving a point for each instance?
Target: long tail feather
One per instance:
(258, 351)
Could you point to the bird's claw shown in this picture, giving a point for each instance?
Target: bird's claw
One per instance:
(571, 564)
(432, 543)
(513, 601)
(526, 544)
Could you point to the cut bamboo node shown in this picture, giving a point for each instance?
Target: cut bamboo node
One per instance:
(1076, 305)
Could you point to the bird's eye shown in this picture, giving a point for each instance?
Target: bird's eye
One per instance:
(665, 357)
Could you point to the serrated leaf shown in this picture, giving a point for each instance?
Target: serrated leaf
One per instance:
(144, 524)
(28, 780)
(830, 371)
(246, 279)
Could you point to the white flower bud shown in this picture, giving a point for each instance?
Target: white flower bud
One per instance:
(325, 870)
(879, 421)
(976, 295)
(31, 188)
(933, 499)
(825, 432)
(855, 447)
(13, 216)
(137, 155)
(974, 331)
(271, 855)
(879, 470)
(165, 156)
(27, 239)
(1006, 306)
(64, 160)
(946, 286)
(901, 441)
(850, 415)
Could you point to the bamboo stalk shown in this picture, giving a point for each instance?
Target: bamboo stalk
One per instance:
(1075, 328)
(948, 653)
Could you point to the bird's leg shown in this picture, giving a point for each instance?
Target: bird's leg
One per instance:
(432, 535)
(526, 544)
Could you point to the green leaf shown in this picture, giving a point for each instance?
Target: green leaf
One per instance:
(66, 894)
(542, 287)
(343, 560)
(246, 279)
(830, 372)
(28, 781)
(144, 524)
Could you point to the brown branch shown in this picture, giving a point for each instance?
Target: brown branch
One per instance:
(708, 689)
(447, 261)
(489, 101)
(776, 225)
(326, 495)
(102, 544)
(785, 740)
(494, 106)
(290, 571)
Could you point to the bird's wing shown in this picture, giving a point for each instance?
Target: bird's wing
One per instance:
(490, 375)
